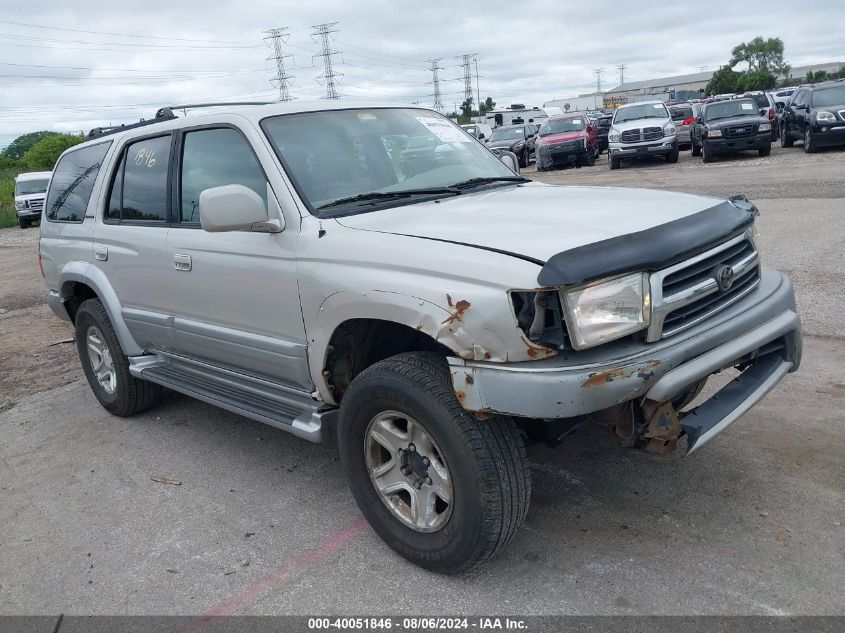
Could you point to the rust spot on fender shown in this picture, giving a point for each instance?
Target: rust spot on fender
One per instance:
(458, 309)
(538, 351)
(600, 378)
(461, 396)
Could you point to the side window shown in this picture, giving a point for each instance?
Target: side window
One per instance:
(139, 185)
(213, 158)
(72, 183)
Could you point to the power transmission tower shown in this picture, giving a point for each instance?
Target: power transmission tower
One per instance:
(435, 82)
(275, 39)
(466, 60)
(477, 89)
(597, 72)
(622, 68)
(321, 35)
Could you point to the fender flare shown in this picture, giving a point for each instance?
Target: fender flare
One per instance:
(94, 278)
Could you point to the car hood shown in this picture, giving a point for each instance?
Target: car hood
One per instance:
(505, 143)
(534, 220)
(551, 139)
(636, 124)
(738, 120)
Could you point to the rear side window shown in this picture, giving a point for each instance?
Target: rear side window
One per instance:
(213, 158)
(139, 187)
(680, 114)
(72, 183)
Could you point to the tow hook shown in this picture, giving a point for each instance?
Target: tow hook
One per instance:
(662, 428)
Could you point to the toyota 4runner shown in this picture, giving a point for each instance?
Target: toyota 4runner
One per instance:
(283, 261)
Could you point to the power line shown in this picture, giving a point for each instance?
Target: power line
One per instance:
(275, 38)
(621, 68)
(321, 33)
(435, 82)
(130, 45)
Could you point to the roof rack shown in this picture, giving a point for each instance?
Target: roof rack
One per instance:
(168, 110)
(166, 114)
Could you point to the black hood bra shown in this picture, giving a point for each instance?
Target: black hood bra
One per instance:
(651, 249)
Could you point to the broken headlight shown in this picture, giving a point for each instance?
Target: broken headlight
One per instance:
(540, 317)
(607, 310)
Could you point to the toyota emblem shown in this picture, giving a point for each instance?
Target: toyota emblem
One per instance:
(724, 276)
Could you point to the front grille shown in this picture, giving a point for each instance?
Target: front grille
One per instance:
(37, 204)
(568, 146)
(689, 292)
(735, 131)
(652, 133)
(630, 136)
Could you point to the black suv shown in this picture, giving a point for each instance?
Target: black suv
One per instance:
(602, 122)
(727, 127)
(816, 114)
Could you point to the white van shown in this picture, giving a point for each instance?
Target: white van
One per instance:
(30, 189)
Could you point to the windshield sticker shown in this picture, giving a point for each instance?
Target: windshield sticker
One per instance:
(657, 106)
(444, 130)
(746, 106)
(366, 116)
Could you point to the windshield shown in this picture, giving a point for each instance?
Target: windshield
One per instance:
(727, 109)
(829, 96)
(559, 126)
(643, 111)
(338, 154)
(507, 134)
(28, 187)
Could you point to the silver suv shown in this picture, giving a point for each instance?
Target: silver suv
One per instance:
(299, 265)
(640, 130)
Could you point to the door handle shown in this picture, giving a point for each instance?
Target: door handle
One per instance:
(181, 262)
(101, 253)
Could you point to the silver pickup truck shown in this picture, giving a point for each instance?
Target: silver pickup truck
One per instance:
(377, 275)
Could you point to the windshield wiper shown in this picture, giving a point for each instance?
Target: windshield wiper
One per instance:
(472, 182)
(375, 196)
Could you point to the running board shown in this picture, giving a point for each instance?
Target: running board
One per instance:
(252, 397)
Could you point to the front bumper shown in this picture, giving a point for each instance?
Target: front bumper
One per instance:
(834, 134)
(579, 383)
(29, 214)
(648, 148)
(723, 145)
(562, 154)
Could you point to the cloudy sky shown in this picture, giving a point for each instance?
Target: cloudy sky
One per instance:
(70, 67)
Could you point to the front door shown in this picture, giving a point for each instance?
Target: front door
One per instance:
(235, 298)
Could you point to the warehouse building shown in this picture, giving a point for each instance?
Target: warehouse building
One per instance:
(663, 88)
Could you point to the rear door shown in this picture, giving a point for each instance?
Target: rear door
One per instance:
(130, 240)
(233, 296)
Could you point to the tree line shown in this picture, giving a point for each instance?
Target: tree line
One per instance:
(37, 151)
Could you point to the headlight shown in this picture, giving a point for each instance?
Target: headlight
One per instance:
(823, 116)
(519, 145)
(714, 133)
(18, 204)
(669, 130)
(607, 310)
(613, 136)
(764, 127)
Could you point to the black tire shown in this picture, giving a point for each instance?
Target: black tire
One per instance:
(696, 150)
(766, 151)
(614, 162)
(486, 459)
(131, 395)
(706, 155)
(785, 139)
(672, 157)
(591, 159)
(24, 224)
(809, 143)
(523, 158)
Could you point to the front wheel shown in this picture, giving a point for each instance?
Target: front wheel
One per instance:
(785, 139)
(523, 158)
(444, 490)
(765, 151)
(614, 162)
(24, 224)
(706, 154)
(672, 157)
(696, 150)
(809, 144)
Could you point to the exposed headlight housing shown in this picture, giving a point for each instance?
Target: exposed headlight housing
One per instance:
(613, 136)
(764, 127)
(669, 129)
(519, 145)
(607, 310)
(714, 133)
(825, 117)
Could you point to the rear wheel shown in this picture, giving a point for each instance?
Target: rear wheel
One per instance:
(106, 366)
(443, 489)
(696, 150)
(809, 143)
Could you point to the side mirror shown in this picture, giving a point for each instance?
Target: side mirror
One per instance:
(510, 159)
(234, 208)
(481, 136)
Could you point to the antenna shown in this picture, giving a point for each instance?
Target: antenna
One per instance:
(275, 38)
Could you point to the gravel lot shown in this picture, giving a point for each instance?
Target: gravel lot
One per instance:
(263, 522)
